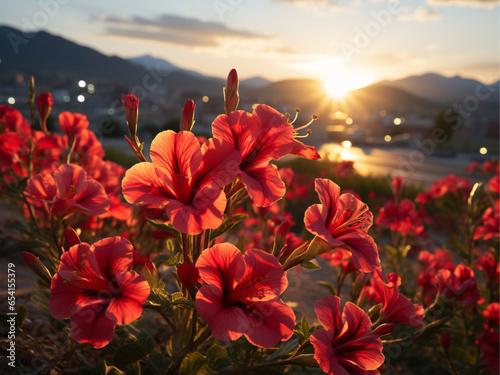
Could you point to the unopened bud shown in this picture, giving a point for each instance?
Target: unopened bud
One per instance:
(44, 102)
(280, 237)
(231, 96)
(70, 238)
(187, 116)
(37, 266)
(132, 112)
(188, 274)
(384, 329)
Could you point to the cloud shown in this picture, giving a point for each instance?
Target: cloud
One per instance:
(322, 5)
(173, 29)
(421, 14)
(469, 3)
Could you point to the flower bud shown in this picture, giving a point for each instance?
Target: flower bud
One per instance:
(384, 329)
(132, 112)
(188, 274)
(44, 102)
(280, 237)
(231, 96)
(187, 116)
(37, 266)
(70, 238)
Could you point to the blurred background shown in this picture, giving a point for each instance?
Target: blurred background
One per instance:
(408, 88)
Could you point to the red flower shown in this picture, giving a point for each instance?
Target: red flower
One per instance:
(489, 264)
(346, 345)
(188, 274)
(492, 316)
(472, 167)
(185, 178)
(402, 217)
(242, 296)
(396, 308)
(260, 137)
(11, 119)
(460, 285)
(451, 184)
(343, 221)
(344, 169)
(68, 191)
(494, 184)
(96, 288)
(489, 166)
(489, 223)
(73, 123)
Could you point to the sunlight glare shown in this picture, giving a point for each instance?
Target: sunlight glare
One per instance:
(338, 86)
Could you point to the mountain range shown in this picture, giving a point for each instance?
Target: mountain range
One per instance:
(45, 55)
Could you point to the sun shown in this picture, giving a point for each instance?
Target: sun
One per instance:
(339, 85)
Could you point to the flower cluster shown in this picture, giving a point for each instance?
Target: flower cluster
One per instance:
(203, 237)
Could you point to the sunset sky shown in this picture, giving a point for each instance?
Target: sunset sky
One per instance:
(359, 40)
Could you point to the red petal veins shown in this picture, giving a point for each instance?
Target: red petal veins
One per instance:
(112, 255)
(177, 153)
(220, 164)
(145, 183)
(263, 184)
(222, 266)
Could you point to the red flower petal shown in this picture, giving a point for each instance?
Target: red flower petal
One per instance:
(177, 153)
(263, 184)
(220, 164)
(92, 325)
(111, 256)
(127, 306)
(205, 212)
(221, 266)
(269, 323)
(145, 183)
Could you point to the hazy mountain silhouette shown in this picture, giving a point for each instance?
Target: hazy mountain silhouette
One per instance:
(310, 94)
(42, 53)
(442, 89)
(148, 61)
(45, 55)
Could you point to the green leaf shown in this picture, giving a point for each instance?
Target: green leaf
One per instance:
(310, 266)
(193, 363)
(158, 362)
(218, 358)
(286, 347)
(329, 286)
(304, 324)
(128, 353)
(166, 227)
(226, 225)
(168, 259)
(146, 341)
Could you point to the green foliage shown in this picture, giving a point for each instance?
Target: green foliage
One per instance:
(131, 352)
(228, 223)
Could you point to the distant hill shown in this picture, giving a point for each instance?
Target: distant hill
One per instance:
(255, 82)
(45, 53)
(148, 61)
(310, 94)
(441, 89)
